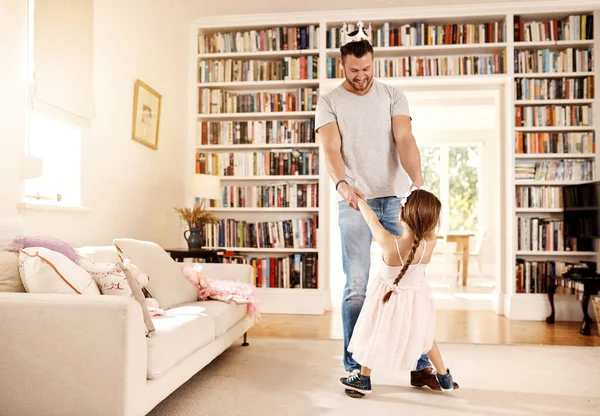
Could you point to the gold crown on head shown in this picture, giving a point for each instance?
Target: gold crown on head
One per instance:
(360, 35)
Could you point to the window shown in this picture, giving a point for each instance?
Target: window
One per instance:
(59, 146)
(453, 173)
(60, 62)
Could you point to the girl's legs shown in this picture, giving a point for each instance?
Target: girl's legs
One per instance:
(443, 374)
(436, 358)
(365, 371)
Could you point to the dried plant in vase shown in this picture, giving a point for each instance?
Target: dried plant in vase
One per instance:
(196, 218)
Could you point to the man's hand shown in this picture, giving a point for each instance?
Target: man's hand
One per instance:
(350, 194)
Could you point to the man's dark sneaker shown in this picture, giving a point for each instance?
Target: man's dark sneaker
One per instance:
(446, 383)
(357, 382)
(426, 377)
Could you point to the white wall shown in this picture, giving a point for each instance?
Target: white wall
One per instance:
(130, 188)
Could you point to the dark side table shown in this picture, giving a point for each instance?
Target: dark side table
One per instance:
(209, 256)
(590, 286)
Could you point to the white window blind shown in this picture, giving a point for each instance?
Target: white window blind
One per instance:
(63, 60)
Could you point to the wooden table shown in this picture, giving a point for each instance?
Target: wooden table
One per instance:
(461, 238)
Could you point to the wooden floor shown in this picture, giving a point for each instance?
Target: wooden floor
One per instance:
(479, 327)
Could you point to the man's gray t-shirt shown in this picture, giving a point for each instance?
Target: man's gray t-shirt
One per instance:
(368, 147)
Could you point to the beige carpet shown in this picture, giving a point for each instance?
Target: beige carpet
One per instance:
(300, 377)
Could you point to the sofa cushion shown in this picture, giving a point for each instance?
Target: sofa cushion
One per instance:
(178, 334)
(225, 315)
(167, 283)
(47, 271)
(10, 281)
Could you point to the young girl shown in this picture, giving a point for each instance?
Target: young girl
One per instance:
(397, 321)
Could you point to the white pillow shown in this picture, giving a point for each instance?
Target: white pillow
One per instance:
(166, 284)
(10, 281)
(47, 271)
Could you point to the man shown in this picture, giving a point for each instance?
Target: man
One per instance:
(365, 128)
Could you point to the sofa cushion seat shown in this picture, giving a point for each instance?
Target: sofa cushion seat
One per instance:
(224, 315)
(182, 331)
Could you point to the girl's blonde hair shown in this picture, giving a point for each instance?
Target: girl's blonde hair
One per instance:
(421, 213)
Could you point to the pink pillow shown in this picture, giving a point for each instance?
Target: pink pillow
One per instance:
(49, 242)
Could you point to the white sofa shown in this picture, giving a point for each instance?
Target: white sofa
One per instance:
(88, 355)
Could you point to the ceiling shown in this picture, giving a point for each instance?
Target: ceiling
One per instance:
(203, 8)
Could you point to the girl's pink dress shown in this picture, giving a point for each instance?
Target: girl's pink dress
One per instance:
(390, 337)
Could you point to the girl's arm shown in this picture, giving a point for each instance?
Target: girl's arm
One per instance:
(381, 235)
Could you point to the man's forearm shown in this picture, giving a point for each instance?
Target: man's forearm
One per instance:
(410, 157)
(335, 164)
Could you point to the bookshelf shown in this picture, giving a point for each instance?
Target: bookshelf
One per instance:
(554, 125)
(277, 81)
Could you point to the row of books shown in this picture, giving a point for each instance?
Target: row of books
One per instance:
(554, 88)
(545, 143)
(269, 39)
(541, 234)
(283, 195)
(296, 271)
(574, 27)
(217, 101)
(554, 115)
(287, 162)
(238, 70)
(256, 132)
(426, 34)
(532, 276)
(416, 66)
(551, 61)
(556, 170)
(539, 197)
(296, 233)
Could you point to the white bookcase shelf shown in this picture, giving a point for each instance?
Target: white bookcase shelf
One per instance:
(259, 54)
(248, 85)
(279, 300)
(257, 115)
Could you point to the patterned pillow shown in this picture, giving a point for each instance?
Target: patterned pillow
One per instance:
(108, 276)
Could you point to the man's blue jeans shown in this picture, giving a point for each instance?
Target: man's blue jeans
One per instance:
(356, 258)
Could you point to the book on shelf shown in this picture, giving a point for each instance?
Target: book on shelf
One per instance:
(420, 66)
(426, 34)
(218, 101)
(539, 197)
(532, 276)
(256, 40)
(284, 195)
(255, 132)
(574, 27)
(540, 234)
(263, 163)
(554, 142)
(556, 170)
(240, 70)
(551, 61)
(554, 116)
(554, 88)
(296, 233)
(548, 235)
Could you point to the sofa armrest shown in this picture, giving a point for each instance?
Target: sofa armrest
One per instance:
(226, 271)
(71, 354)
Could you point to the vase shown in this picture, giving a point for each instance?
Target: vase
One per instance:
(194, 239)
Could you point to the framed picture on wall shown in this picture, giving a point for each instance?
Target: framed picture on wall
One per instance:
(146, 115)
